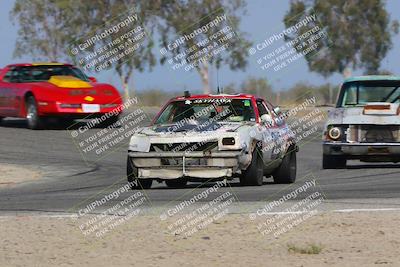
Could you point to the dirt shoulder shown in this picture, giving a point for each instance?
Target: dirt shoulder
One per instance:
(11, 175)
(327, 239)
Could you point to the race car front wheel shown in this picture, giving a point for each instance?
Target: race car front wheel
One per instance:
(254, 174)
(35, 122)
(132, 174)
(286, 172)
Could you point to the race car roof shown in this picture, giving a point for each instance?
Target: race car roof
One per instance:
(373, 78)
(213, 96)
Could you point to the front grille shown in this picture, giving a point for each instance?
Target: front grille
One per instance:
(179, 147)
(374, 133)
(177, 162)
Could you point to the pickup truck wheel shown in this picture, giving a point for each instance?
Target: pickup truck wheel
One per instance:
(286, 172)
(254, 174)
(176, 183)
(35, 122)
(333, 162)
(132, 173)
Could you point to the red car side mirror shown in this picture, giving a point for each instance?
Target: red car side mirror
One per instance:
(93, 79)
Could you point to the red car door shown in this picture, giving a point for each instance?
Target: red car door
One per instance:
(8, 94)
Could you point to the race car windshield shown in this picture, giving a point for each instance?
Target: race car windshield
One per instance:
(359, 94)
(44, 73)
(207, 109)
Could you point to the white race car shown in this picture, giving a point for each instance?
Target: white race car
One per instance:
(213, 137)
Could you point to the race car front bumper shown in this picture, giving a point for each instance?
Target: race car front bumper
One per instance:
(173, 165)
(81, 110)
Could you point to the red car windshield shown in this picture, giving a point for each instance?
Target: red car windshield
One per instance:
(203, 109)
(42, 73)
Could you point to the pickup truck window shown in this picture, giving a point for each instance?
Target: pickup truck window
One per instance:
(360, 93)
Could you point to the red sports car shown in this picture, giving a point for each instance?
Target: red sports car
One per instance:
(54, 90)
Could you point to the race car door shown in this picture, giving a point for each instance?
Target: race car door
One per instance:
(270, 135)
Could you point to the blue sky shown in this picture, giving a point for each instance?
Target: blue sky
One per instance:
(263, 18)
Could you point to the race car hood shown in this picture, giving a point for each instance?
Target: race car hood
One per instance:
(379, 113)
(68, 82)
(159, 134)
(188, 128)
(74, 91)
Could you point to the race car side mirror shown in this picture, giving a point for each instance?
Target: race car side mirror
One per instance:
(277, 110)
(93, 79)
(267, 119)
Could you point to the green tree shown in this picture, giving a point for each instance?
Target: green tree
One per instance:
(361, 32)
(96, 16)
(49, 28)
(230, 89)
(43, 28)
(181, 17)
(258, 86)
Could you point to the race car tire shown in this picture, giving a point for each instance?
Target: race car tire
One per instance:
(176, 183)
(35, 122)
(254, 174)
(286, 172)
(132, 173)
(333, 162)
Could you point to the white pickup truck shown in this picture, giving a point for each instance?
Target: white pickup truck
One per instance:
(365, 125)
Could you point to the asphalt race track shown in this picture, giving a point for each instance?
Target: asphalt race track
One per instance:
(70, 181)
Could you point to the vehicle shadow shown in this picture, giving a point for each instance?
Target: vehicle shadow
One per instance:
(13, 123)
(373, 166)
(50, 125)
(195, 185)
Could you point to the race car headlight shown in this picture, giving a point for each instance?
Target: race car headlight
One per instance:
(139, 143)
(228, 141)
(334, 133)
